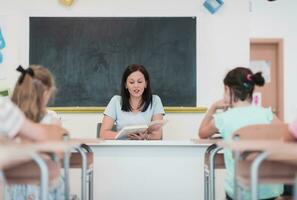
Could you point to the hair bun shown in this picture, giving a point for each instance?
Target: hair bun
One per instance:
(258, 79)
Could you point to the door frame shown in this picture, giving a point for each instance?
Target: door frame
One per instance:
(280, 70)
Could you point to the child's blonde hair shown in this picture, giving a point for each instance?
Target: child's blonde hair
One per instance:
(29, 90)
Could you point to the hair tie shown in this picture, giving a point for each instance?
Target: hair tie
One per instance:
(24, 72)
(247, 85)
(249, 77)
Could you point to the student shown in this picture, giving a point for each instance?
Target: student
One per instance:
(238, 112)
(136, 105)
(32, 92)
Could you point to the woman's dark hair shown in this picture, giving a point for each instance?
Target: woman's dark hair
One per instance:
(147, 93)
(241, 82)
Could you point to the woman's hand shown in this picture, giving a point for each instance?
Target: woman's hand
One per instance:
(137, 136)
(155, 127)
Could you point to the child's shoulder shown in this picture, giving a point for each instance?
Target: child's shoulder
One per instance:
(249, 113)
(248, 109)
(239, 112)
(50, 117)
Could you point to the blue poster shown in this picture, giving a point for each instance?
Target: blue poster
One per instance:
(2, 45)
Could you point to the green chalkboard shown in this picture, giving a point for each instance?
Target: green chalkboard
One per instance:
(88, 55)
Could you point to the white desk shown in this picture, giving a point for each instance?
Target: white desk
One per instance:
(148, 170)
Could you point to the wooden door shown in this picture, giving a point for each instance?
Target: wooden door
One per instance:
(267, 54)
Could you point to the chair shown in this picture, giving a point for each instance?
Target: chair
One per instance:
(114, 128)
(32, 172)
(14, 156)
(261, 132)
(249, 168)
(43, 169)
(29, 173)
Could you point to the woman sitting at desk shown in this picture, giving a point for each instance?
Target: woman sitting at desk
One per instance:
(135, 106)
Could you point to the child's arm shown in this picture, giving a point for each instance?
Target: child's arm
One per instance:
(40, 132)
(207, 127)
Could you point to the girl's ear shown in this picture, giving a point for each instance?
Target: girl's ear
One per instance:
(227, 95)
(227, 90)
(46, 96)
(145, 85)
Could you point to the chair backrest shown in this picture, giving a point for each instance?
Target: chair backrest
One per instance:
(261, 132)
(114, 128)
(29, 172)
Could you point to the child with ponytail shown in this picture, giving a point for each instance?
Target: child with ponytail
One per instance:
(32, 92)
(238, 111)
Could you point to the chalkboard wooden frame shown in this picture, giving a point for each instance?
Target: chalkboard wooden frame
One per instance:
(41, 30)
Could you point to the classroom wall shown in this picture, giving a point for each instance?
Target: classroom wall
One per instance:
(222, 43)
(278, 20)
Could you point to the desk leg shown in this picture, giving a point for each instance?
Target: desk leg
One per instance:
(206, 183)
(91, 182)
(83, 173)
(207, 171)
(66, 174)
(212, 181)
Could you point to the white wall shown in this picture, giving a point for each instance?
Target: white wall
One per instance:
(278, 20)
(222, 43)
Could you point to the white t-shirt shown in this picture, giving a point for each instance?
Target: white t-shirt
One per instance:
(11, 118)
(50, 117)
(123, 118)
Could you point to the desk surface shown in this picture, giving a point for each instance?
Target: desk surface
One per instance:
(192, 142)
(53, 146)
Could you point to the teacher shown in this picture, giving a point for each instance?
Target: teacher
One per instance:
(135, 106)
